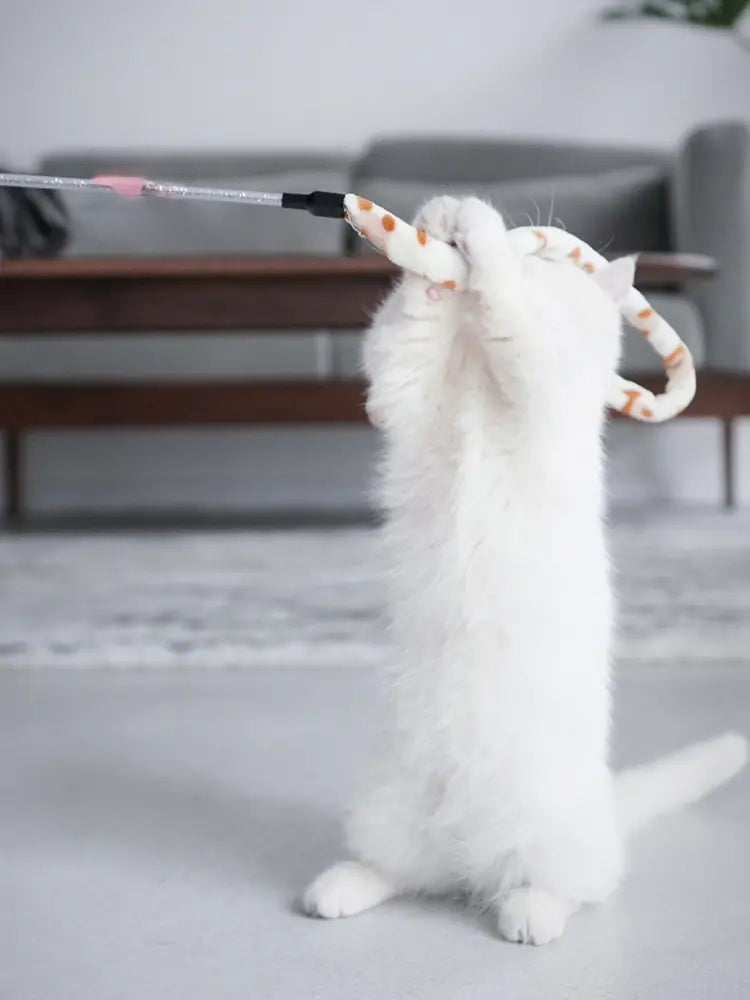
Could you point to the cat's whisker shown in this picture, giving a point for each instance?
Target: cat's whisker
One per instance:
(538, 212)
(607, 245)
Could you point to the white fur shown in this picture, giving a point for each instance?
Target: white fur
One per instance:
(678, 779)
(493, 777)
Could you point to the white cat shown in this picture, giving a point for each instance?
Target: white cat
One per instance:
(493, 778)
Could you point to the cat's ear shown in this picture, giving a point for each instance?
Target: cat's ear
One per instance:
(616, 278)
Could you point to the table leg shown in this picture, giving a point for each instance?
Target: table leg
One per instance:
(728, 460)
(13, 468)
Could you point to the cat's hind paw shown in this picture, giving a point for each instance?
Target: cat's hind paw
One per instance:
(344, 889)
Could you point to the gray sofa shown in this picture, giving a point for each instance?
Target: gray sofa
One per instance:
(694, 199)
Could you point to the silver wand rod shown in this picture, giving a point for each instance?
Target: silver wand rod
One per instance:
(321, 203)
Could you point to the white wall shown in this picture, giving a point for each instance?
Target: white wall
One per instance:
(285, 73)
(330, 74)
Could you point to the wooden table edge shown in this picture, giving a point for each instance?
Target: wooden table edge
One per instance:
(666, 267)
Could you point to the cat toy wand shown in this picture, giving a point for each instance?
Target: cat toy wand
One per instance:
(321, 203)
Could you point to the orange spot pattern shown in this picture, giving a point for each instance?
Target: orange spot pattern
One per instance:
(645, 313)
(670, 359)
(632, 395)
(422, 236)
(388, 223)
(448, 284)
(645, 412)
(540, 236)
(364, 204)
(575, 254)
(588, 268)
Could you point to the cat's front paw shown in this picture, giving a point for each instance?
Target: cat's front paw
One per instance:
(438, 217)
(532, 916)
(344, 889)
(480, 232)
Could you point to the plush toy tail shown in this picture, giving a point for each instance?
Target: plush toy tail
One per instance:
(666, 784)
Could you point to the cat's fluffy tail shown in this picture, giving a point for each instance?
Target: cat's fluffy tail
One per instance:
(678, 779)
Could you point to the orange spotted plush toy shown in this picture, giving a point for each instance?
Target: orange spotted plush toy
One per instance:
(445, 266)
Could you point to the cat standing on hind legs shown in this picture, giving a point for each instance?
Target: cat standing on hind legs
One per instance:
(493, 776)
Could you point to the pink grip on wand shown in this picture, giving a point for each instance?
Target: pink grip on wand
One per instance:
(126, 187)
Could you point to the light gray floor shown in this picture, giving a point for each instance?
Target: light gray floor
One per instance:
(157, 826)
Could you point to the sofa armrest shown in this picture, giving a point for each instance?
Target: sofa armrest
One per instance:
(711, 213)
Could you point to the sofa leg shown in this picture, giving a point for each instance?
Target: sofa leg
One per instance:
(13, 469)
(728, 460)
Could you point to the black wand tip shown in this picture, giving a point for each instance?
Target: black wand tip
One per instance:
(327, 204)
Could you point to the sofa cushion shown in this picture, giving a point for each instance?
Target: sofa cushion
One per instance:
(468, 159)
(624, 209)
(104, 224)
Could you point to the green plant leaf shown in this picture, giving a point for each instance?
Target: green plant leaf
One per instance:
(710, 13)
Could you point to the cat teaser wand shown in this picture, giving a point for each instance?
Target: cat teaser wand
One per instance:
(324, 203)
(413, 250)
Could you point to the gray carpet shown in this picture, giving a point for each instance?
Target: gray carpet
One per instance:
(157, 826)
(313, 598)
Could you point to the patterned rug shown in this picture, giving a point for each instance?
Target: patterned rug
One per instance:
(300, 598)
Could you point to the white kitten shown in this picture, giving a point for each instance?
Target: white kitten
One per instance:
(493, 778)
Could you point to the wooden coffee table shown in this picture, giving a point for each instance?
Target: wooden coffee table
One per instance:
(138, 295)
